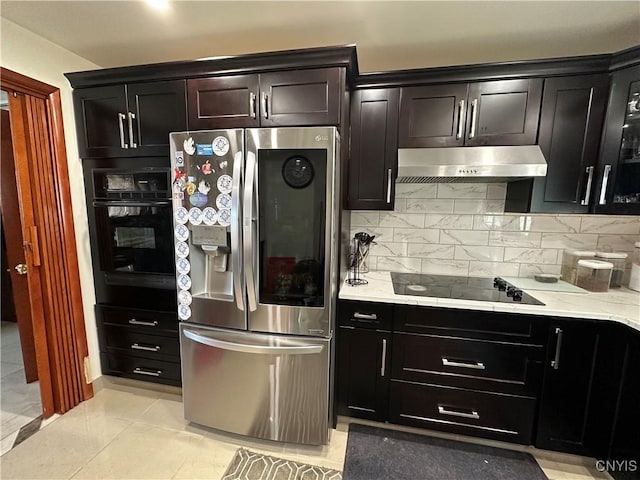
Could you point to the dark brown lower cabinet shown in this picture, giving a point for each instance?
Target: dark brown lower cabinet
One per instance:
(508, 418)
(625, 443)
(363, 361)
(580, 387)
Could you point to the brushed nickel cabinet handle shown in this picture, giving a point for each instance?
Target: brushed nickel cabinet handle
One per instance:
(134, 321)
(605, 181)
(121, 117)
(460, 119)
(474, 365)
(264, 104)
(365, 316)
(474, 117)
(137, 346)
(384, 357)
(444, 411)
(555, 363)
(587, 191)
(252, 105)
(151, 373)
(389, 175)
(131, 118)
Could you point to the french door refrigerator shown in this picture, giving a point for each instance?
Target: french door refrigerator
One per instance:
(256, 249)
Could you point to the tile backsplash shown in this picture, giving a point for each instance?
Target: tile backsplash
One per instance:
(461, 229)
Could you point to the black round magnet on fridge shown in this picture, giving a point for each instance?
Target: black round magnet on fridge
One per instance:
(297, 171)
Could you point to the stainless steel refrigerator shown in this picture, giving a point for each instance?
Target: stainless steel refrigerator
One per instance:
(256, 248)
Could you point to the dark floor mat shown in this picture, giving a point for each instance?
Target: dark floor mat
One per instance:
(381, 454)
(26, 431)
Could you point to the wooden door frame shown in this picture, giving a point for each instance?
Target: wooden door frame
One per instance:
(49, 240)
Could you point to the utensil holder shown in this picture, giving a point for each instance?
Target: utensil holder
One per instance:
(355, 263)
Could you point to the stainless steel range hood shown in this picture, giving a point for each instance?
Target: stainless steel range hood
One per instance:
(470, 164)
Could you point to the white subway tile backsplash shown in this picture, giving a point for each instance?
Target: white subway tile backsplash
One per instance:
(436, 266)
(462, 190)
(529, 270)
(496, 191)
(490, 269)
(617, 243)
(448, 221)
(577, 241)
(531, 255)
(478, 206)
(482, 253)
(426, 250)
(611, 224)
(416, 235)
(429, 205)
(393, 219)
(515, 239)
(464, 237)
(399, 264)
(364, 219)
(388, 249)
(460, 229)
(416, 190)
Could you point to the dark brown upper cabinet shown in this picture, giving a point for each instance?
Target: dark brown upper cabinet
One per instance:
(132, 120)
(503, 112)
(292, 98)
(570, 127)
(617, 186)
(374, 149)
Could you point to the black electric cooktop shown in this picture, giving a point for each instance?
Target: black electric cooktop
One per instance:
(485, 289)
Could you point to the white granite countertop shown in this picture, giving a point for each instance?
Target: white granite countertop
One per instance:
(620, 305)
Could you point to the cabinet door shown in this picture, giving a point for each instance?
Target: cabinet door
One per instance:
(626, 441)
(362, 373)
(159, 108)
(618, 180)
(432, 116)
(374, 150)
(570, 128)
(101, 121)
(503, 112)
(582, 370)
(299, 98)
(223, 102)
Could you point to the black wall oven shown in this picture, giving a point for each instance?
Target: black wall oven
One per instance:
(131, 230)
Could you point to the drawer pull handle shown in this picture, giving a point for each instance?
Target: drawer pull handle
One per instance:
(365, 316)
(133, 321)
(475, 365)
(151, 373)
(443, 411)
(384, 357)
(555, 363)
(137, 346)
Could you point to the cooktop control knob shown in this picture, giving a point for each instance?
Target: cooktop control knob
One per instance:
(499, 283)
(510, 291)
(517, 295)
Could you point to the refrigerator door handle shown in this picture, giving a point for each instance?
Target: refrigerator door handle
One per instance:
(287, 348)
(249, 226)
(236, 228)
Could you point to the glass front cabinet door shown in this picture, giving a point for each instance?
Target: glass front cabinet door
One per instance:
(619, 183)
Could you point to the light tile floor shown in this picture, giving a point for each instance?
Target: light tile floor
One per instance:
(19, 401)
(126, 432)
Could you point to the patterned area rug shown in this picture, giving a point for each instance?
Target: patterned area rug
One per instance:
(248, 465)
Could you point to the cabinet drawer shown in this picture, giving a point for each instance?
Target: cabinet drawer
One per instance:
(509, 327)
(149, 321)
(365, 314)
(467, 412)
(468, 363)
(125, 339)
(157, 371)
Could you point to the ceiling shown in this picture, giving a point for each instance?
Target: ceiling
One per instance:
(389, 35)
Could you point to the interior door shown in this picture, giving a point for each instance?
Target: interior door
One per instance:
(15, 251)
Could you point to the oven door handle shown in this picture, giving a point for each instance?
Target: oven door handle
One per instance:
(131, 203)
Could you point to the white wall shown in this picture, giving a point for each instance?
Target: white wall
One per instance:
(29, 54)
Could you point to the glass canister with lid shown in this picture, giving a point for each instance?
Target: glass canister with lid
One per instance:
(594, 275)
(619, 261)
